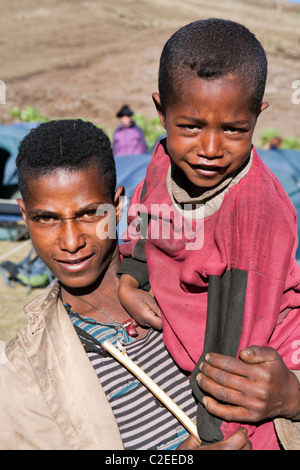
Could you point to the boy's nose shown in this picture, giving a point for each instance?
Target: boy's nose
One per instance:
(71, 237)
(210, 145)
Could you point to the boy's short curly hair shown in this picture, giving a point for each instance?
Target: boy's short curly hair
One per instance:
(70, 144)
(210, 49)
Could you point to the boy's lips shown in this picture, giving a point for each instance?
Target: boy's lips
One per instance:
(208, 170)
(75, 264)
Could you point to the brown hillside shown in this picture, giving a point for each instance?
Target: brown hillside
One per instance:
(87, 58)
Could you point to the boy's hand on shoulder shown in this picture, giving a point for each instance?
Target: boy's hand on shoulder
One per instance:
(255, 387)
(140, 305)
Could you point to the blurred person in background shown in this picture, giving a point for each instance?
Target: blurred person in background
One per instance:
(128, 138)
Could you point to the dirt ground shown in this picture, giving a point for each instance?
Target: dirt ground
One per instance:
(74, 58)
(87, 58)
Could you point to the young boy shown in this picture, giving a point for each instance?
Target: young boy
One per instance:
(211, 229)
(57, 391)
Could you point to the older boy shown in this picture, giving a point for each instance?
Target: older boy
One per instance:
(215, 229)
(57, 391)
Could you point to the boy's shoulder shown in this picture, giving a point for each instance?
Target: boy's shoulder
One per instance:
(260, 172)
(159, 164)
(160, 151)
(34, 310)
(261, 184)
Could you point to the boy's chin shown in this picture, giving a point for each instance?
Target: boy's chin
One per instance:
(79, 286)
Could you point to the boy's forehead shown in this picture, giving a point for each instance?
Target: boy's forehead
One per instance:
(65, 184)
(211, 89)
(62, 176)
(191, 78)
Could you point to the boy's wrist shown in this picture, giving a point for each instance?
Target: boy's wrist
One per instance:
(292, 410)
(137, 269)
(129, 281)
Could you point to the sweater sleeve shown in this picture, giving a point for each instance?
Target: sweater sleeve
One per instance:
(137, 269)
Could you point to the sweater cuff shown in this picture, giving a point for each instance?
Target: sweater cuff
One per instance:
(137, 269)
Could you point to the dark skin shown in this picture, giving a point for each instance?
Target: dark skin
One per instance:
(63, 224)
(64, 227)
(238, 441)
(251, 386)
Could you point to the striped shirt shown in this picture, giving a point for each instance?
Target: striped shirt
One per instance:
(144, 423)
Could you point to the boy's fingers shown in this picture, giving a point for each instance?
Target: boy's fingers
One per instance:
(226, 412)
(152, 304)
(154, 319)
(219, 382)
(251, 355)
(256, 354)
(227, 364)
(238, 441)
(156, 323)
(191, 443)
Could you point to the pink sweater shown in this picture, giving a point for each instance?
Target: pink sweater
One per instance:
(235, 284)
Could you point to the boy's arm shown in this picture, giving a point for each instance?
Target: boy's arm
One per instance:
(139, 304)
(135, 267)
(133, 271)
(132, 249)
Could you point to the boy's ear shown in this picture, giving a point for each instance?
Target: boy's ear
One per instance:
(157, 102)
(119, 202)
(22, 209)
(263, 106)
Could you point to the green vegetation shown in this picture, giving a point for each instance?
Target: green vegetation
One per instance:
(153, 129)
(29, 114)
(291, 143)
(287, 142)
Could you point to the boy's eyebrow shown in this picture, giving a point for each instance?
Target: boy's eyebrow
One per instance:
(47, 212)
(192, 119)
(38, 212)
(196, 120)
(236, 123)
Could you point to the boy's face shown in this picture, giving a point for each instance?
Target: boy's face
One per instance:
(209, 129)
(60, 213)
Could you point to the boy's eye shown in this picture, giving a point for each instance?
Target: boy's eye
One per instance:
(89, 214)
(235, 130)
(45, 219)
(190, 128)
